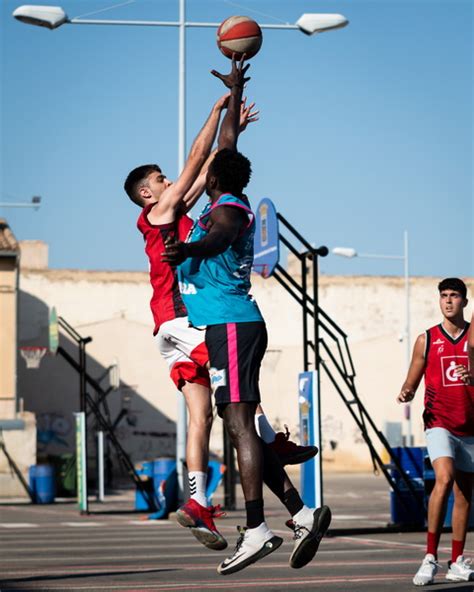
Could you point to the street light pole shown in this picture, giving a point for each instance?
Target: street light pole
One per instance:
(52, 17)
(350, 253)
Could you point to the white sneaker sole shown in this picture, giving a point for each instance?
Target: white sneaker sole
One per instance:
(307, 549)
(455, 578)
(206, 537)
(268, 547)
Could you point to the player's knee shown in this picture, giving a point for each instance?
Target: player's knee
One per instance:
(201, 422)
(444, 480)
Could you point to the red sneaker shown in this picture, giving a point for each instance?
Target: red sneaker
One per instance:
(289, 452)
(199, 520)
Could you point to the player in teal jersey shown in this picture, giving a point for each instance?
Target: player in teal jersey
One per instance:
(215, 283)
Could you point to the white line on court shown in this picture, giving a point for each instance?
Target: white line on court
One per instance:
(249, 584)
(18, 525)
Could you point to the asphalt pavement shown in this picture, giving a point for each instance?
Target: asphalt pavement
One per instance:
(53, 547)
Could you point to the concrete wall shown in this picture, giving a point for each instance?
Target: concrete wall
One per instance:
(8, 336)
(112, 307)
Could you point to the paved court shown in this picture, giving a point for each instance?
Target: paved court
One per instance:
(53, 548)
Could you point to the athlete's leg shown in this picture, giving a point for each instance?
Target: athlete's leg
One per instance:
(195, 513)
(198, 402)
(462, 504)
(239, 421)
(444, 478)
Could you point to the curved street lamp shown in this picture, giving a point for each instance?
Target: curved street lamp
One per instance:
(52, 17)
(350, 253)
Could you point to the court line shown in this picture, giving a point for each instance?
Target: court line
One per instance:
(248, 583)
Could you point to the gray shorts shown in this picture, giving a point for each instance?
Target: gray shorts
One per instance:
(441, 442)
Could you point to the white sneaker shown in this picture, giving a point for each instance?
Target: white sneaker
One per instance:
(252, 545)
(308, 534)
(427, 571)
(460, 571)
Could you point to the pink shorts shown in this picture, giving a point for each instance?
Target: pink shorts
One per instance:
(184, 350)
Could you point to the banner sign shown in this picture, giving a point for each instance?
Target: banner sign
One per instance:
(266, 240)
(53, 331)
(308, 402)
(81, 462)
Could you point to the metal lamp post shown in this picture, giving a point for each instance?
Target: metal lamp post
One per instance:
(35, 203)
(52, 17)
(350, 252)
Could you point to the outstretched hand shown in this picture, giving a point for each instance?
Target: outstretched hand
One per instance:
(236, 77)
(175, 252)
(247, 114)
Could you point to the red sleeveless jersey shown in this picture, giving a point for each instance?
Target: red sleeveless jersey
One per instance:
(449, 403)
(166, 303)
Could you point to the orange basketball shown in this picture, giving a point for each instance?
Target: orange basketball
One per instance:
(239, 35)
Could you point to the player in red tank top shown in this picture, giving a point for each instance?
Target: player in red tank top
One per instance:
(441, 356)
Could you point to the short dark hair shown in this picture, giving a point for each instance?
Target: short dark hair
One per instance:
(135, 179)
(232, 170)
(453, 284)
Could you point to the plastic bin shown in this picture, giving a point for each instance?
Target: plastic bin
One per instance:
(145, 471)
(42, 483)
(165, 482)
(405, 508)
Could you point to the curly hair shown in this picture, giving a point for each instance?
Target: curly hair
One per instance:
(232, 170)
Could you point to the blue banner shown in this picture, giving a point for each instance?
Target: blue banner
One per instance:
(266, 241)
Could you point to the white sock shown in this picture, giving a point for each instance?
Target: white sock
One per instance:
(264, 429)
(304, 516)
(197, 487)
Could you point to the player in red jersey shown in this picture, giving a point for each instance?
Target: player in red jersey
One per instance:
(439, 355)
(163, 217)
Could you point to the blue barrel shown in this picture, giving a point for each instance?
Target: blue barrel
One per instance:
(42, 483)
(165, 483)
(142, 502)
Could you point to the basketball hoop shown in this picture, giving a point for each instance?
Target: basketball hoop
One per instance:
(33, 355)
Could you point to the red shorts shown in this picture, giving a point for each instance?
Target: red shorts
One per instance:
(184, 350)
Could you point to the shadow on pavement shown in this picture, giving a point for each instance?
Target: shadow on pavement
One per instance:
(94, 574)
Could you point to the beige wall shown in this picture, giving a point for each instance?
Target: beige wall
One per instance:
(113, 309)
(8, 336)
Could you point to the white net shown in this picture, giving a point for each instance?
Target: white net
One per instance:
(33, 356)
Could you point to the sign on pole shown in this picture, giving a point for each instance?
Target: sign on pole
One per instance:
(53, 331)
(81, 462)
(266, 240)
(310, 435)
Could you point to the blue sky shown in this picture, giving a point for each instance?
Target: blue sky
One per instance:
(364, 131)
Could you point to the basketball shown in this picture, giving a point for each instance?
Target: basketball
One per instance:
(239, 35)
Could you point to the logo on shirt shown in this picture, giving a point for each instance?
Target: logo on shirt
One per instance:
(448, 369)
(218, 378)
(438, 342)
(187, 288)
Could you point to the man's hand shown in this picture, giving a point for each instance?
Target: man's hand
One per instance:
(175, 252)
(222, 103)
(237, 74)
(247, 114)
(406, 395)
(464, 374)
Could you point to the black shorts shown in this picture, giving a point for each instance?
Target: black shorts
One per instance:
(236, 352)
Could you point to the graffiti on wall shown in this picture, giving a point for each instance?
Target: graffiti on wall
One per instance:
(53, 429)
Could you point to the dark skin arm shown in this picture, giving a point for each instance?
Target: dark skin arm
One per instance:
(226, 224)
(235, 81)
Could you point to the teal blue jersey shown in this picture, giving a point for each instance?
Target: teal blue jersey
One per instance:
(215, 290)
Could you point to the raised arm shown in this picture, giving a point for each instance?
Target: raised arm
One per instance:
(235, 81)
(415, 372)
(226, 224)
(171, 198)
(248, 114)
